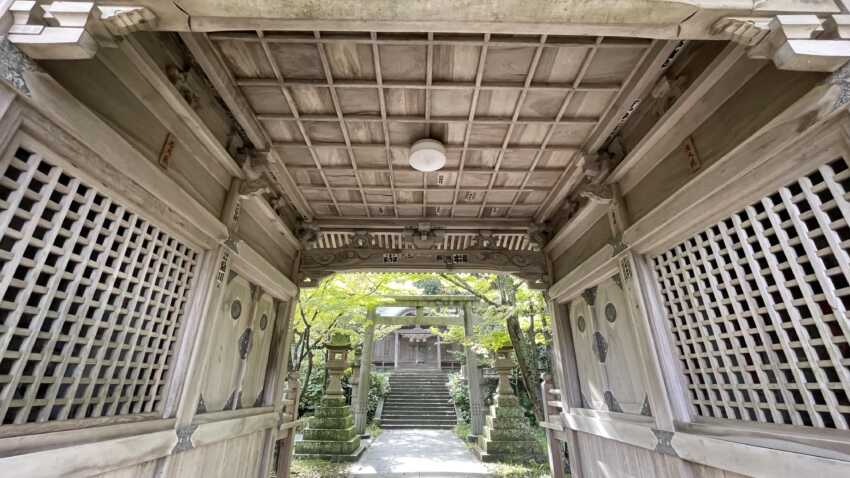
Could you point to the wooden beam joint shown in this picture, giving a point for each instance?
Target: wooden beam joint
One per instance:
(792, 42)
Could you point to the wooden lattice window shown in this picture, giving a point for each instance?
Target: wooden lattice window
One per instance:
(757, 305)
(92, 298)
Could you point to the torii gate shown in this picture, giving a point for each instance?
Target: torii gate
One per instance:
(465, 318)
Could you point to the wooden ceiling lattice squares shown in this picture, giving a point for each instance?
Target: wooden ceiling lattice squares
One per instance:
(343, 109)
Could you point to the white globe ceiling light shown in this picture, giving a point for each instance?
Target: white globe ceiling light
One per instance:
(427, 155)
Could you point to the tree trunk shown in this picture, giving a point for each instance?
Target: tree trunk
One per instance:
(526, 370)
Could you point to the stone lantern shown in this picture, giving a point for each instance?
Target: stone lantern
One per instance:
(330, 432)
(507, 435)
(336, 363)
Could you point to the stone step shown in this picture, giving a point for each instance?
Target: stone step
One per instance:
(418, 427)
(418, 421)
(423, 395)
(390, 410)
(418, 416)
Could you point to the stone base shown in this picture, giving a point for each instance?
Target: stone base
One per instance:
(348, 458)
(507, 436)
(330, 433)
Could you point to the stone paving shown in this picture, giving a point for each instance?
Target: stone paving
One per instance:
(418, 454)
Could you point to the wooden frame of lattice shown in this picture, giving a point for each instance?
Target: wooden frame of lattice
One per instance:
(757, 306)
(82, 276)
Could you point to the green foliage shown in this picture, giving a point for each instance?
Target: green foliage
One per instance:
(462, 430)
(517, 470)
(459, 391)
(318, 469)
(379, 387)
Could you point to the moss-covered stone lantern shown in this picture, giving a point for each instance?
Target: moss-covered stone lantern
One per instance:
(507, 435)
(330, 432)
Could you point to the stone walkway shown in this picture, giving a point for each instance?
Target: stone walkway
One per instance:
(418, 454)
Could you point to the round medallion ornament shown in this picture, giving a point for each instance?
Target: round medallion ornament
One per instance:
(264, 322)
(236, 309)
(610, 312)
(581, 323)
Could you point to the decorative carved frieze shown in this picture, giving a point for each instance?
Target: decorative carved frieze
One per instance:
(423, 236)
(792, 42)
(319, 263)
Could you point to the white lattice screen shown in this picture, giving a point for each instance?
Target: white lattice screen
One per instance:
(757, 305)
(92, 298)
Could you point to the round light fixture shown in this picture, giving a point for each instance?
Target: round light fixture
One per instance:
(427, 155)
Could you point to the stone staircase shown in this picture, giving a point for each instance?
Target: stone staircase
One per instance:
(418, 399)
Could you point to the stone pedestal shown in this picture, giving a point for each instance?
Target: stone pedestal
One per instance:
(507, 435)
(330, 433)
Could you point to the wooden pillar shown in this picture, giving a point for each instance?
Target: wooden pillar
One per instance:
(668, 404)
(439, 355)
(476, 408)
(287, 442)
(556, 458)
(395, 357)
(214, 272)
(361, 411)
(566, 377)
(279, 379)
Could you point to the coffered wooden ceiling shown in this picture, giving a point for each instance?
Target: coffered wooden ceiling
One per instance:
(342, 110)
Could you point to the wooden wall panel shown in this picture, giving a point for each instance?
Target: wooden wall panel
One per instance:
(239, 457)
(604, 458)
(596, 237)
(142, 470)
(92, 83)
(767, 94)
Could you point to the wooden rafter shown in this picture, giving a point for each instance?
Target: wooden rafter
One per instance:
(290, 101)
(207, 56)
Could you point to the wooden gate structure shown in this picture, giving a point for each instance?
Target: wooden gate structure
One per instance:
(673, 173)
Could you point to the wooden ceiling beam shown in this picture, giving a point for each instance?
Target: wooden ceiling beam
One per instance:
(435, 85)
(386, 189)
(488, 120)
(473, 107)
(349, 169)
(421, 40)
(449, 147)
(450, 223)
(343, 125)
(213, 66)
(379, 79)
(529, 77)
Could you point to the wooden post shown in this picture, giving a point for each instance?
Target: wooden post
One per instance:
(439, 358)
(476, 408)
(287, 445)
(395, 358)
(567, 377)
(214, 272)
(361, 411)
(556, 458)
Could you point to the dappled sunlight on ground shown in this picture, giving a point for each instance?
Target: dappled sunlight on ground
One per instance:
(418, 453)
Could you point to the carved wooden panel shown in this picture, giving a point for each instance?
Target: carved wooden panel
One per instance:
(757, 305)
(92, 294)
(262, 328)
(625, 390)
(590, 370)
(230, 321)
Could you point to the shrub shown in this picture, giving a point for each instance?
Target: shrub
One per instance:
(460, 395)
(379, 387)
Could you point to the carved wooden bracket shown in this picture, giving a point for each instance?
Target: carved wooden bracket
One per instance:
(792, 42)
(63, 30)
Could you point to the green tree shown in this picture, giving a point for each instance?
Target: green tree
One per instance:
(512, 314)
(338, 304)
